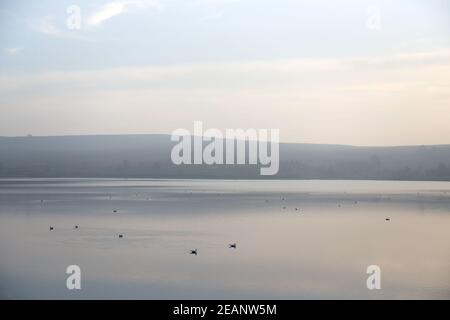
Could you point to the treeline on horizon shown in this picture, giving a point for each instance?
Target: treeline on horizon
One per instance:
(148, 156)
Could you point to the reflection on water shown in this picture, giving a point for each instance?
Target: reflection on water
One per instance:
(320, 250)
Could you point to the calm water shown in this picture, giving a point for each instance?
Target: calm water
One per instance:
(320, 251)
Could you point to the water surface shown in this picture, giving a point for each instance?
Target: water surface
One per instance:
(319, 250)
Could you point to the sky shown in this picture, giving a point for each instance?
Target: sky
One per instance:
(340, 72)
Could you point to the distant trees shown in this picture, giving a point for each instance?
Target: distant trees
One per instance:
(441, 172)
(149, 157)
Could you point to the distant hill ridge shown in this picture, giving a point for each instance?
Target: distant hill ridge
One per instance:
(148, 156)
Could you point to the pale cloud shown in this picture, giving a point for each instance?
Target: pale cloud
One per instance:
(116, 8)
(13, 51)
(48, 26)
(215, 8)
(405, 101)
(402, 59)
(271, 72)
(108, 11)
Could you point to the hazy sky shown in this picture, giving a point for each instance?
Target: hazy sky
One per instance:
(354, 72)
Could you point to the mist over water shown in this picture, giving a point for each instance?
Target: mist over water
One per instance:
(321, 250)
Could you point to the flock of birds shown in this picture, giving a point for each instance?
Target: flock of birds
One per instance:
(194, 251)
(231, 245)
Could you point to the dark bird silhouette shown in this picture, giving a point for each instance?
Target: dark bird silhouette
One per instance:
(296, 209)
(388, 219)
(120, 235)
(51, 228)
(194, 251)
(232, 245)
(76, 227)
(114, 211)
